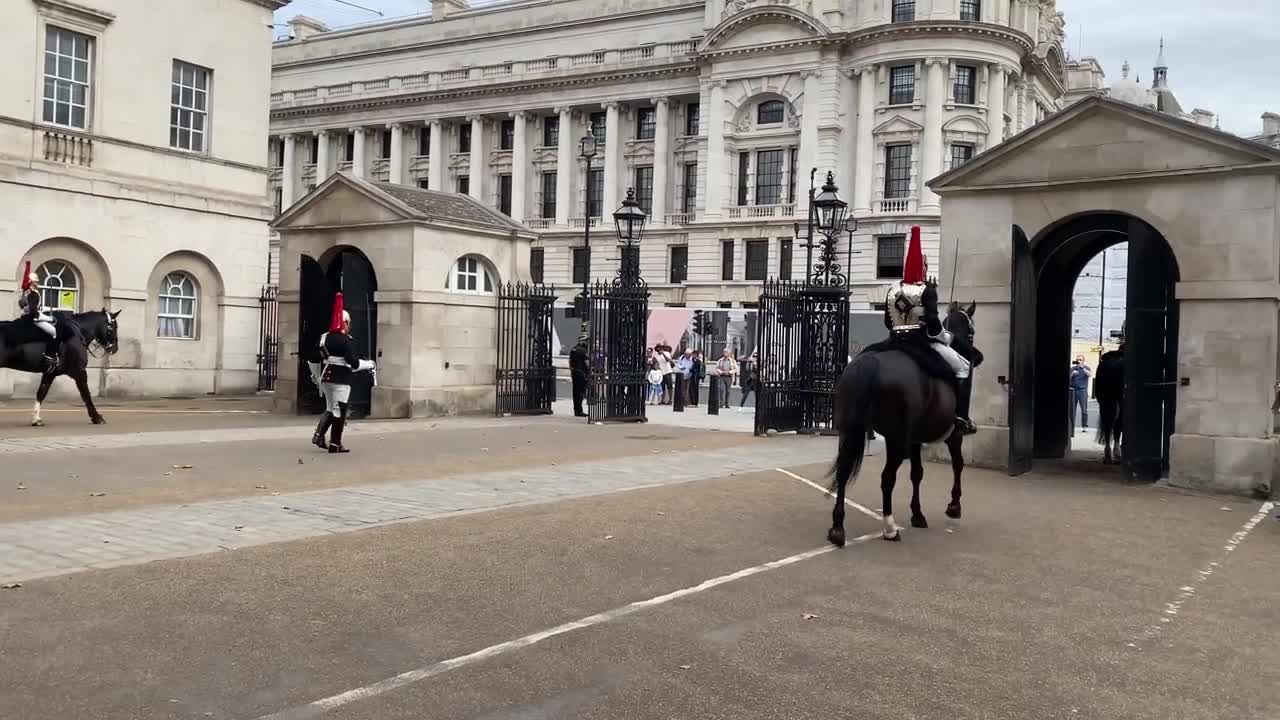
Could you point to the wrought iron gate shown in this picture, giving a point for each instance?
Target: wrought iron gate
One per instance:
(619, 315)
(269, 338)
(803, 341)
(525, 377)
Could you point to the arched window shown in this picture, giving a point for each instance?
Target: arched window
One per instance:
(769, 112)
(59, 285)
(471, 275)
(178, 296)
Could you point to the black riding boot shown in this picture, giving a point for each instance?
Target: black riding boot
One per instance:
(339, 424)
(318, 439)
(964, 391)
(51, 357)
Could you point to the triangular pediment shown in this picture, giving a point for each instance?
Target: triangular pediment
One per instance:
(897, 124)
(760, 24)
(1100, 139)
(342, 200)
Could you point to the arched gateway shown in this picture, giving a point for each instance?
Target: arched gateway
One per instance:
(1199, 210)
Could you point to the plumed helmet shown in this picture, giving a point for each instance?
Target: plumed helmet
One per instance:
(915, 269)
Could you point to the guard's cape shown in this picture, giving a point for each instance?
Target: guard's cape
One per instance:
(916, 346)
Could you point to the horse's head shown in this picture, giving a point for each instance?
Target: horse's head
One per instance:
(102, 327)
(960, 323)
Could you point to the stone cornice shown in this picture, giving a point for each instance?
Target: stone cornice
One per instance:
(75, 11)
(271, 5)
(898, 31)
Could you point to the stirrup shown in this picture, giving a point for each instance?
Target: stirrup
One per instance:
(966, 426)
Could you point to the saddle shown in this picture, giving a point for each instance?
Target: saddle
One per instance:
(915, 345)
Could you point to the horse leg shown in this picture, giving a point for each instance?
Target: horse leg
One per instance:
(917, 476)
(45, 382)
(955, 444)
(82, 384)
(893, 460)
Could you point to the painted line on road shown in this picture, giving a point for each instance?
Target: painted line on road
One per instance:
(1186, 592)
(324, 705)
(860, 508)
(139, 411)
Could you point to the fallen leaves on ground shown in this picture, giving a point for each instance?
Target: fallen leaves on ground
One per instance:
(608, 537)
(182, 467)
(809, 616)
(260, 487)
(97, 494)
(685, 667)
(10, 586)
(21, 486)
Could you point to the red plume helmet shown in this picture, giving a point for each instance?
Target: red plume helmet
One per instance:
(26, 277)
(915, 269)
(335, 324)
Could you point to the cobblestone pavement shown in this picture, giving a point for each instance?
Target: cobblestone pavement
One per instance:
(101, 540)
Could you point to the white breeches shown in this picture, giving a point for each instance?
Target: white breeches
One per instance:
(45, 323)
(953, 358)
(334, 395)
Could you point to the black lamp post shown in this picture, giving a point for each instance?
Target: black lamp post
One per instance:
(587, 151)
(828, 218)
(630, 221)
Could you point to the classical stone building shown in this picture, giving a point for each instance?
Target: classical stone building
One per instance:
(713, 111)
(132, 162)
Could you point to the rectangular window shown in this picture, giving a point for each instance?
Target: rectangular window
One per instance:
(279, 201)
(726, 260)
(679, 263)
(897, 173)
(961, 153)
(424, 183)
(313, 150)
(504, 194)
(692, 117)
(646, 123)
(551, 131)
(384, 145)
(349, 154)
(904, 10)
(744, 169)
(599, 126)
(791, 185)
(757, 259)
(902, 85)
(464, 185)
(189, 107)
(770, 112)
(965, 84)
(67, 68)
(769, 176)
(784, 258)
(690, 200)
(536, 261)
(644, 189)
(581, 265)
(971, 10)
(890, 254)
(595, 193)
(549, 194)
(424, 141)
(464, 138)
(507, 135)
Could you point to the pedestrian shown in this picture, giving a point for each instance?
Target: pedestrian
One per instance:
(696, 373)
(747, 372)
(580, 372)
(684, 374)
(665, 366)
(725, 371)
(655, 383)
(338, 360)
(1080, 390)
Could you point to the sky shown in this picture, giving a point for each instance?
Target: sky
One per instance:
(1222, 54)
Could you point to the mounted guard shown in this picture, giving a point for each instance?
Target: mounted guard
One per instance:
(911, 315)
(30, 305)
(331, 369)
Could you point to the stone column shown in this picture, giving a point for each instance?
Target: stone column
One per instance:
(476, 182)
(436, 160)
(359, 164)
(397, 153)
(1020, 109)
(519, 165)
(713, 195)
(995, 107)
(289, 172)
(808, 158)
(864, 162)
(612, 158)
(323, 164)
(566, 165)
(661, 160)
(931, 143)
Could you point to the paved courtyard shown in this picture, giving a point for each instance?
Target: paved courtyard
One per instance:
(201, 560)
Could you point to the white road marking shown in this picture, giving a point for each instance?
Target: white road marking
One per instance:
(324, 705)
(860, 508)
(1186, 592)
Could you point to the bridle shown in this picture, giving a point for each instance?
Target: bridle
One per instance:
(968, 321)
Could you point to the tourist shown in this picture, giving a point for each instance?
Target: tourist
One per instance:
(726, 369)
(747, 372)
(654, 376)
(1080, 390)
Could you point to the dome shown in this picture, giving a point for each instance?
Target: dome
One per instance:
(1131, 91)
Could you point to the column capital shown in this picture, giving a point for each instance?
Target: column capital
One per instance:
(395, 126)
(714, 83)
(935, 61)
(867, 69)
(358, 129)
(518, 114)
(562, 110)
(435, 122)
(659, 101)
(611, 105)
(321, 133)
(810, 72)
(474, 118)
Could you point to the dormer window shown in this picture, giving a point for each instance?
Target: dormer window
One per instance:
(769, 112)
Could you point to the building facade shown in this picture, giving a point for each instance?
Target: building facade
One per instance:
(132, 163)
(714, 112)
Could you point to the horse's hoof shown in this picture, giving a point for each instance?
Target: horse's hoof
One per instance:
(835, 536)
(37, 423)
(953, 511)
(918, 521)
(897, 537)
(99, 420)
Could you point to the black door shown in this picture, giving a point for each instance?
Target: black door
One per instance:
(1150, 355)
(352, 273)
(315, 304)
(1021, 382)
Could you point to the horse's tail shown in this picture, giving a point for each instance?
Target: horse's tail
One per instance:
(1108, 409)
(856, 413)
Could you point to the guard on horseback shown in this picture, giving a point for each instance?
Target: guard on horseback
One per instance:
(337, 360)
(911, 314)
(32, 309)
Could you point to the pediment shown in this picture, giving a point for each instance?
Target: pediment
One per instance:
(898, 124)
(1099, 138)
(340, 201)
(761, 24)
(966, 124)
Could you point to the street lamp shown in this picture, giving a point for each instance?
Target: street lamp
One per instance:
(828, 216)
(831, 209)
(630, 221)
(587, 151)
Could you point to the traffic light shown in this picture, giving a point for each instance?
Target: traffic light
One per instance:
(700, 323)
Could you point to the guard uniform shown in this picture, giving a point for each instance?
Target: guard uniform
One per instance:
(337, 361)
(911, 312)
(30, 305)
(580, 372)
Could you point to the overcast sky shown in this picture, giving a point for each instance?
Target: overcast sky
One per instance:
(1222, 54)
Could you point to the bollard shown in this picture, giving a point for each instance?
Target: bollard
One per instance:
(677, 393)
(713, 396)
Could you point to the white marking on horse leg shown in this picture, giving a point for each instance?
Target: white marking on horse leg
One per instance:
(890, 527)
(36, 412)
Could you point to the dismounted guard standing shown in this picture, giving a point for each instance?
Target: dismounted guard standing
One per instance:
(580, 372)
(337, 361)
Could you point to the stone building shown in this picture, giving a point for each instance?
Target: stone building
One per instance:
(1270, 130)
(714, 112)
(131, 172)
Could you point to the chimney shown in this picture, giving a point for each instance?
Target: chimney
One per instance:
(303, 27)
(442, 9)
(1270, 124)
(1203, 117)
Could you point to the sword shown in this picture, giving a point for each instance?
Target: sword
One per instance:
(955, 266)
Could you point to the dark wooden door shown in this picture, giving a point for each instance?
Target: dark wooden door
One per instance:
(1021, 383)
(1151, 327)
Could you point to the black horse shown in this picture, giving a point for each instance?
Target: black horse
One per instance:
(22, 348)
(887, 392)
(1108, 390)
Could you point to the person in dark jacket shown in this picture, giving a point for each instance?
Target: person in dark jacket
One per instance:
(1080, 389)
(580, 372)
(696, 374)
(338, 360)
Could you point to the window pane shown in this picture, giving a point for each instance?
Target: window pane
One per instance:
(679, 263)
(63, 115)
(691, 119)
(890, 254)
(965, 84)
(81, 73)
(757, 259)
(770, 112)
(904, 10)
(644, 189)
(726, 260)
(902, 85)
(897, 176)
(769, 177)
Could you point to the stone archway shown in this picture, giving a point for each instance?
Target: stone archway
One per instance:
(346, 269)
